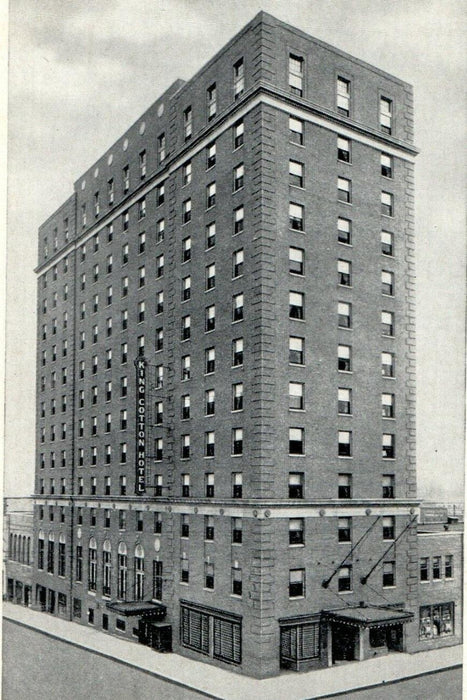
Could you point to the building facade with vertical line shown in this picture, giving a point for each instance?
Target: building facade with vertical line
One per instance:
(226, 368)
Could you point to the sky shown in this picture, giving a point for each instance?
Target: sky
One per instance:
(81, 72)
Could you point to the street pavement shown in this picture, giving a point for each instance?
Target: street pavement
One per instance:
(196, 679)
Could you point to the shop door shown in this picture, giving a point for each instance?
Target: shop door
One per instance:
(395, 638)
(343, 642)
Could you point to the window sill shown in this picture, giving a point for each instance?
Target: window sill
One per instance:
(344, 328)
(297, 597)
(296, 546)
(298, 410)
(348, 245)
(235, 595)
(296, 455)
(344, 456)
(348, 204)
(349, 415)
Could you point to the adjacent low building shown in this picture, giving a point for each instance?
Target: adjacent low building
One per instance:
(17, 550)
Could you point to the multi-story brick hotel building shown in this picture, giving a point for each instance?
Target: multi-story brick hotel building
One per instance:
(225, 369)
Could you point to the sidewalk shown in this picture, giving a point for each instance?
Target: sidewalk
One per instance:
(222, 685)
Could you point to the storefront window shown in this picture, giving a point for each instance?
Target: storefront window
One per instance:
(436, 621)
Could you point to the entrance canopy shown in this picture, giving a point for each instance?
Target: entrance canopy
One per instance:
(368, 616)
(138, 607)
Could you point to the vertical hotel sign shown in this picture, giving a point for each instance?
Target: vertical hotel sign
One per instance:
(140, 480)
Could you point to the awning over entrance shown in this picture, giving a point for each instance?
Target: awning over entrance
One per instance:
(138, 607)
(369, 616)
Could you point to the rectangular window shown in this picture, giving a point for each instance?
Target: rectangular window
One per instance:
(296, 350)
(161, 149)
(386, 165)
(237, 530)
(388, 446)
(210, 318)
(296, 261)
(296, 69)
(344, 486)
(296, 173)
(296, 583)
(389, 574)
(210, 235)
(387, 323)
(185, 447)
(211, 101)
(238, 177)
(185, 526)
(387, 204)
(344, 403)
(344, 311)
(210, 360)
(385, 115)
(344, 357)
(296, 396)
(239, 219)
(296, 130)
(344, 529)
(436, 621)
(160, 194)
(126, 178)
(344, 443)
(389, 525)
(238, 134)
(237, 263)
(448, 566)
(387, 364)
(209, 527)
(210, 276)
(387, 243)
(296, 216)
(186, 288)
(188, 123)
(237, 485)
(209, 485)
(296, 441)
(209, 402)
(208, 575)
(344, 273)
(436, 568)
(344, 190)
(388, 405)
(237, 441)
(210, 155)
(142, 208)
(158, 449)
(185, 578)
(186, 173)
(296, 305)
(143, 161)
(160, 230)
(424, 569)
(238, 78)
(186, 211)
(296, 531)
(344, 579)
(387, 283)
(343, 96)
(159, 302)
(388, 484)
(209, 444)
(237, 396)
(343, 149)
(186, 249)
(237, 352)
(210, 195)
